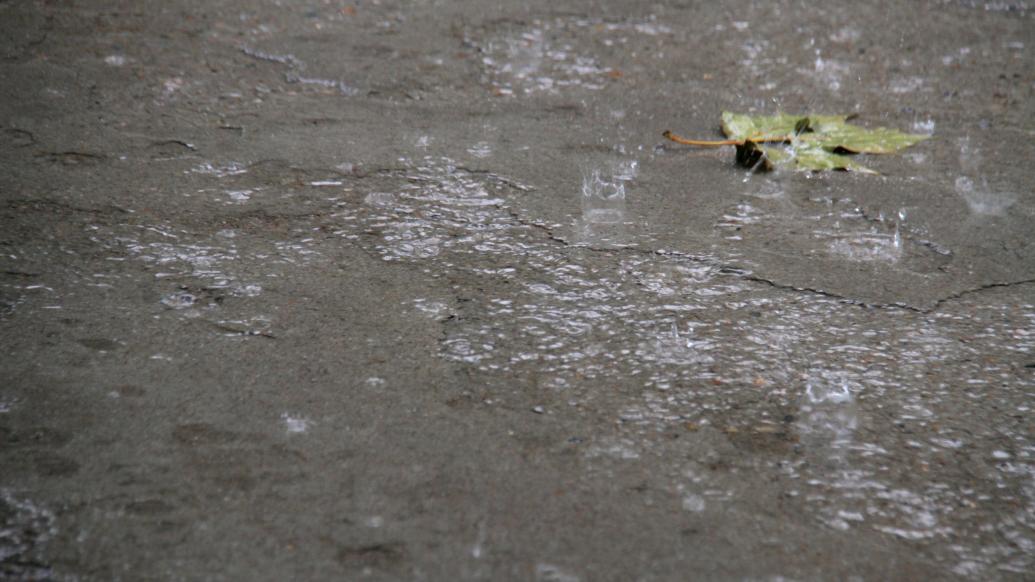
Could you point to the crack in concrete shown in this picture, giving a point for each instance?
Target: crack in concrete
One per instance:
(548, 231)
(295, 67)
(722, 267)
(538, 226)
(986, 287)
(59, 207)
(15, 132)
(23, 52)
(498, 178)
(71, 158)
(749, 276)
(232, 329)
(179, 142)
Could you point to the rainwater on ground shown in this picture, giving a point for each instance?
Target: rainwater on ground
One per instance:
(417, 291)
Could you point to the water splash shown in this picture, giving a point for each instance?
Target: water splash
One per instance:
(602, 198)
(973, 185)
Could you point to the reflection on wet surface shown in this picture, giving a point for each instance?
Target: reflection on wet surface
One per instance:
(903, 422)
(898, 421)
(711, 348)
(837, 228)
(543, 57)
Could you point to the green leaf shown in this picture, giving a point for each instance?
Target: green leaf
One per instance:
(801, 156)
(817, 142)
(768, 128)
(810, 157)
(855, 139)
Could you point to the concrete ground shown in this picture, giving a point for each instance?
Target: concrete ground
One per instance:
(417, 291)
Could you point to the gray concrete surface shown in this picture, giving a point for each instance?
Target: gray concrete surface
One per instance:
(416, 291)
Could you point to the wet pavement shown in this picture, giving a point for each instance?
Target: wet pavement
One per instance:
(416, 290)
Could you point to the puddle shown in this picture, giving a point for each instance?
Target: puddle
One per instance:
(441, 208)
(863, 414)
(729, 388)
(710, 348)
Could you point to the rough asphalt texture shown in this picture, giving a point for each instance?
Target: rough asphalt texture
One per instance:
(416, 291)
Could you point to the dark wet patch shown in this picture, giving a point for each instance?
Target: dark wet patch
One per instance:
(149, 507)
(40, 436)
(130, 391)
(99, 344)
(379, 555)
(201, 434)
(233, 478)
(170, 148)
(25, 205)
(764, 439)
(71, 158)
(50, 465)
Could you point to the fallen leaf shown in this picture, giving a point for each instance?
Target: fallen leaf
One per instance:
(855, 139)
(772, 128)
(806, 156)
(813, 142)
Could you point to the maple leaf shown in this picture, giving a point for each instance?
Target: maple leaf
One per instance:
(814, 142)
